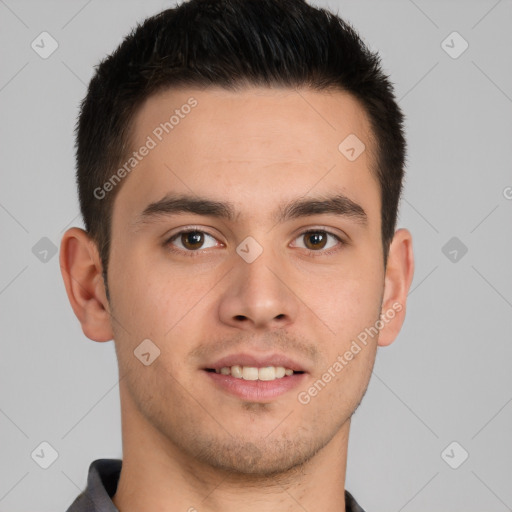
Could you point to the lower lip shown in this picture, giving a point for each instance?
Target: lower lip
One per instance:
(256, 390)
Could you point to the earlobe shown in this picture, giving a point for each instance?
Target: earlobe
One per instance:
(398, 279)
(81, 271)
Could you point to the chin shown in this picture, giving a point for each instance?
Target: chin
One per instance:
(258, 459)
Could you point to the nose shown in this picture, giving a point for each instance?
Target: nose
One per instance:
(259, 295)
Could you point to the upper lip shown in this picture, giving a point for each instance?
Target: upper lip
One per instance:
(259, 361)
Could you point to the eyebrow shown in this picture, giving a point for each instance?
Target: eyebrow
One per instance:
(173, 204)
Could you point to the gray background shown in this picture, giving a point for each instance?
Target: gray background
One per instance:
(446, 378)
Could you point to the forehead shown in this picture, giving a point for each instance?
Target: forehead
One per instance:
(257, 146)
(268, 115)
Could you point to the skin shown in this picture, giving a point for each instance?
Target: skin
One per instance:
(187, 443)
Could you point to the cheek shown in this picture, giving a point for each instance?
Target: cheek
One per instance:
(349, 347)
(167, 309)
(350, 307)
(147, 297)
(349, 300)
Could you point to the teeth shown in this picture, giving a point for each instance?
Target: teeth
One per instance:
(267, 373)
(236, 371)
(253, 373)
(249, 373)
(280, 372)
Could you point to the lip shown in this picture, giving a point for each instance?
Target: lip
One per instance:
(258, 361)
(255, 390)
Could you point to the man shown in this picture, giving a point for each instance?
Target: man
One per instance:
(239, 167)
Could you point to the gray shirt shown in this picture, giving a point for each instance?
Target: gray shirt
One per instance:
(102, 485)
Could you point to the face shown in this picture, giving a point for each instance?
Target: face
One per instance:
(241, 279)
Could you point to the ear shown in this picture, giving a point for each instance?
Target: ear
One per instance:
(398, 278)
(81, 270)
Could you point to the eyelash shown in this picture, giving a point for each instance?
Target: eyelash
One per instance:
(310, 252)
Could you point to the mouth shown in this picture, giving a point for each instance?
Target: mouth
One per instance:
(265, 373)
(255, 378)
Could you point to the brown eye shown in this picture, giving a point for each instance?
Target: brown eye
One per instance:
(192, 240)
(315, 240)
